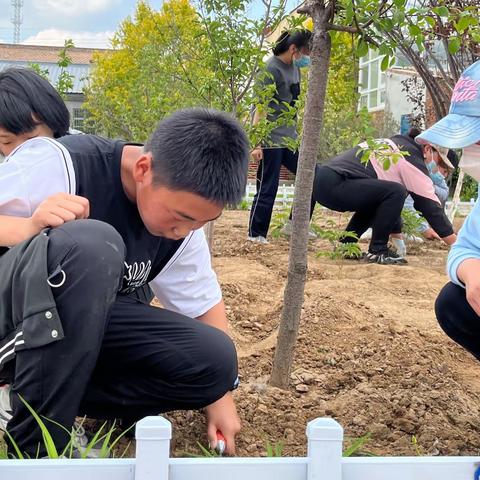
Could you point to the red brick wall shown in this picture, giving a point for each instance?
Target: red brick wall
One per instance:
(285, 175)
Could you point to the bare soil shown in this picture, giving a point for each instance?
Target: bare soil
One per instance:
(370, 353)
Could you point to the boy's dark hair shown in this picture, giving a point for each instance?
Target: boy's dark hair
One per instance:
(299, 38)
(201, 151)
(27, 100)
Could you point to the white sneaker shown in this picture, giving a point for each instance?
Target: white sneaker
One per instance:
(415, 239)
(287, 231)
(5, 406)
(399, 245)
(258, 239)
(367, 235)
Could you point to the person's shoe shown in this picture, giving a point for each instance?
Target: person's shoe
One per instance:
(287, 230)
(258, 239)
(81, 442)
(415, 239)
(388, 258)
(5, 406)
(367, 235)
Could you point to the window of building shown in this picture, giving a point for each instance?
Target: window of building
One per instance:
(371, 82)
(79, 116)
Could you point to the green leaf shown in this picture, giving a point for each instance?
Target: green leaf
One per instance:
(385, 63)
(454, 45)
(462, 24)
(47, 438)
(420, 42)
(398, 16)
(349, 13)
(475, 35)
(414, 30)
(357, 445)
(387, 24)
(431, 21)
(441, 11)
(362, 48)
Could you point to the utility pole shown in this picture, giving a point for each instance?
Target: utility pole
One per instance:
(17, 19)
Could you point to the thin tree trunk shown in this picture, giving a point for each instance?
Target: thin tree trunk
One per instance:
(456, 196)
(312, 124)
(209, 229)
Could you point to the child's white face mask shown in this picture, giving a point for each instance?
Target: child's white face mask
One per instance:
(470, 161)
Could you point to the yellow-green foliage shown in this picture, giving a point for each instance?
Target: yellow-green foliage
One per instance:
(141, 80)
(343, 124)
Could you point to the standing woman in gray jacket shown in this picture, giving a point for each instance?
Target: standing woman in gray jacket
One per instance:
(290, 53)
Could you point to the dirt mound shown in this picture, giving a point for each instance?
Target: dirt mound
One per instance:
(369, 354)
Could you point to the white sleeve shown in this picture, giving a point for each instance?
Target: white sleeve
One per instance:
(38, 168)
(188, 284)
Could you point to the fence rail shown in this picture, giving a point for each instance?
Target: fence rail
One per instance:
(323, 462)
(285, 197)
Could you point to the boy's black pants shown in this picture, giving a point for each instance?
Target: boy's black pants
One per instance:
(376, 203)
(119, 357)
(458, 319)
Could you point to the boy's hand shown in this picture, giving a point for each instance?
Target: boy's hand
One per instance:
(58, 209)
(222, 415)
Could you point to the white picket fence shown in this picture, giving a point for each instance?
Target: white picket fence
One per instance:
(285, 197)
(324, 462)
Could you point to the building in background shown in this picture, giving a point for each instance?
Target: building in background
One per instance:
(384, 94)
(46, 57)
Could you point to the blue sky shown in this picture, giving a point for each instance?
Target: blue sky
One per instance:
(88, 22)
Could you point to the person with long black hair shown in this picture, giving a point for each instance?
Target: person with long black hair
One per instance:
(290, 54)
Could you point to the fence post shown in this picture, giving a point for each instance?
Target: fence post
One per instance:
(284, 196)
(325, 440)
(153, 436)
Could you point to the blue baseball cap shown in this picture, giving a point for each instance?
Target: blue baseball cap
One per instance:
(461, 127)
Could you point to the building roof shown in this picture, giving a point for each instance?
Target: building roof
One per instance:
(43, 54)
(17, 55)
(80, 73)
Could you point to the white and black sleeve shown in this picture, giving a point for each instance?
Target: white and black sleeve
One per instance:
(188, 284)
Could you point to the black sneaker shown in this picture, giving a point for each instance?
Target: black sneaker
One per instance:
(388, 258)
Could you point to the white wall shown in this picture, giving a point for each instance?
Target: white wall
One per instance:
(396, 101)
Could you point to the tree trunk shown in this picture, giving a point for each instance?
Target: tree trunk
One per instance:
(456, 196)
(312, 124)
(208, 229)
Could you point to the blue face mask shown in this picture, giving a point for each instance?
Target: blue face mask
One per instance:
(437, 177)
(303, 61)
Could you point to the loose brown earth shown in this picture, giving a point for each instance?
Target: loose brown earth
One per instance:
(369, 354)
